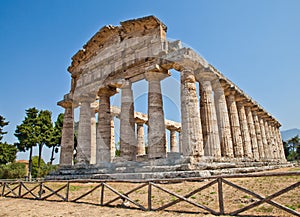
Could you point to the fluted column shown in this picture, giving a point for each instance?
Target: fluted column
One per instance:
(104, 132)
(265, 138)
(270, 140)
(112, 139)
(173, 141)
(128, 142)
(180, 142)
(191, 133)
(156, 118)
(223, 120)
(140, 138)
(235, 125)
(209, 119)
(252, 132)
(67, 139)
(280, 144)
(273, 143)
(84, 132)
(244, 130)
(258, 135)
(93, 136)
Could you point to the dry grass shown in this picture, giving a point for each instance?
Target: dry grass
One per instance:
(233, 199)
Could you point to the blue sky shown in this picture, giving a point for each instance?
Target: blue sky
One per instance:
(254, 43)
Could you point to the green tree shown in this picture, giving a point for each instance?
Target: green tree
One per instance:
(35, 130)
(44, 168)
(44, 132)
(295, 142)
(27, 134)
(12, 171)
(55, 138)
(287, 149)
(7, 153)
(3, 123)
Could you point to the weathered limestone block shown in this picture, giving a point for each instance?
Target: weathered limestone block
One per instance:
(252, 131)
(235, 125)
(128, 143)
(210, 129)
(244, 130)
(223, 120)
(67, 139)
(191, 134)
(258, 135)
(104, 129)
(156, 120)
(84, 132)
(140, 138)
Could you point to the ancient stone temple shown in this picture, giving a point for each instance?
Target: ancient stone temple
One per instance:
(220, 124)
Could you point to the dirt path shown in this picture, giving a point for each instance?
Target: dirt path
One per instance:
(31, 208)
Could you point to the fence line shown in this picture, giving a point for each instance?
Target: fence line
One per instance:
(27, 190)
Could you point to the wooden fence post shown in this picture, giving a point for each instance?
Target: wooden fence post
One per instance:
(220, 194)
(102, 194)
(41, 190)
(20, 188)
(3, 189)
(67, 191)
(149, 196)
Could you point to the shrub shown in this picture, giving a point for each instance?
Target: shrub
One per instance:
(12, 171)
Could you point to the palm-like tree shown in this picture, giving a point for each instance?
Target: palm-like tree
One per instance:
(295, 142)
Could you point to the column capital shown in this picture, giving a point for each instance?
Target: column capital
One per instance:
(126, 84)
(230, 92)
(66, 103)
(156, 76)
(107, 91)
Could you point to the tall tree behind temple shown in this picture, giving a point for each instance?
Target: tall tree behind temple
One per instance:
(295, 142)
(54, 139)
(44, 132)
(2, 124)
(27, 134)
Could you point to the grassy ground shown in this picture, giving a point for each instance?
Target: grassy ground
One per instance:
(233, 199)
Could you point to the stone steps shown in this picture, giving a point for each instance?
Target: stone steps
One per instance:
(136, 171)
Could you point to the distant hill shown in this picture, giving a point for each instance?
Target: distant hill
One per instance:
(287, 134)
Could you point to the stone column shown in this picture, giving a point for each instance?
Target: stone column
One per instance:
(156, 118)
(209, 119)
(140, 138)
(244, 130)
(112, 139)
(270, 145)
(235, 125)
(180, 142)
(84, 132)
(265, 138)
(173, 141)
(93, 136)
(67, 139)
(280, 144)
(223, 120)
(191, 133)
(128, 143)
(258, 135)
(274, 140)
(251, 127)
(104, 129)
